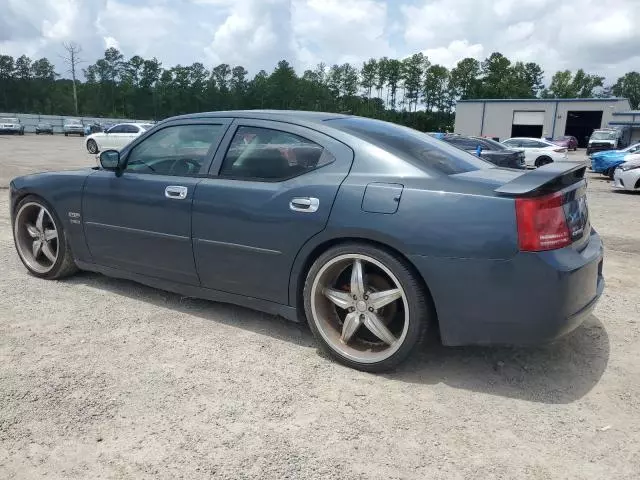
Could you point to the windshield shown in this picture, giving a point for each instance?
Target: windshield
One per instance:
(632, 148)
(411, 145)
(9, 120)
(603, 136)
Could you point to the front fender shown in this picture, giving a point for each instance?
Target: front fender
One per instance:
(63, 192)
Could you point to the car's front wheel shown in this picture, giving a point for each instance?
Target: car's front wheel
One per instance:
(365, 306)
(92, 146)
(41, 241)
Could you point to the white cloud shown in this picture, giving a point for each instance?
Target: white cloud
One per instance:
(601, 37)
(334, 31)
(450, 55)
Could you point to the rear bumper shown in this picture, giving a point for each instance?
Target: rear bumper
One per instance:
(531, 298)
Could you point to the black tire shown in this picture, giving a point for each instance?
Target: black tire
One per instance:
(610, 172)
(92, 146)
(64, 265)
(66, 134)
(543, 160)
(37, 133)
(420, 312)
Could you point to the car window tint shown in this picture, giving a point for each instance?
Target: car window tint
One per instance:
(532, 144)
(180, 150)
(511, 143)
(130, 129)
(463, 143)
(116, 129)
(411, 145)
(271, 155)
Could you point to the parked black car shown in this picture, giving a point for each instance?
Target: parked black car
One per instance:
(44, 128)
(492, 151)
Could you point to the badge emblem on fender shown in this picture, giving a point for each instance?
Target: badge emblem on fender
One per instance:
(74, 217)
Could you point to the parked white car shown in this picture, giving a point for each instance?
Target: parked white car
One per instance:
(627, 175)
(116, 137)
(537, 152)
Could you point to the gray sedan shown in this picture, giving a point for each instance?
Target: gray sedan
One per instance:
(370, 232)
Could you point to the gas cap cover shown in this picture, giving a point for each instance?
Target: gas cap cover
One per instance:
(382, 197)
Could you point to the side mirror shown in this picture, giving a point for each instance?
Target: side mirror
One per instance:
(110, 160)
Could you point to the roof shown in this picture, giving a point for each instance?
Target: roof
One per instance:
(547, 100)
(298, 115)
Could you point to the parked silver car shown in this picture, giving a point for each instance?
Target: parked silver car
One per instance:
(73, 126)
(11, 125)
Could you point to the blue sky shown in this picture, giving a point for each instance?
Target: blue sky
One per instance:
(602, 37)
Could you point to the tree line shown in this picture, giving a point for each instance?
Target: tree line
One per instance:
(410, 91)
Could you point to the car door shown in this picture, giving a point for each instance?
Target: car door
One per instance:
(140, 221)
(109, 139)
(271, 189)
(118, 136)
(131, 132)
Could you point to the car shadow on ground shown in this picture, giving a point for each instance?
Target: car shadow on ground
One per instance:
(557, 373)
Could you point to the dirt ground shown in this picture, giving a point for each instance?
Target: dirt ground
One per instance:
(104, 378)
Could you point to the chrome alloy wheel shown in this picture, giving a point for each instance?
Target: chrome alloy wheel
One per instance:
(360, 308)
(36, 237)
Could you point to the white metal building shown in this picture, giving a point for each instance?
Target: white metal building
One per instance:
(504, 118)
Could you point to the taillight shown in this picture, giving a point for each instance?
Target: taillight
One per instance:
(541, 223)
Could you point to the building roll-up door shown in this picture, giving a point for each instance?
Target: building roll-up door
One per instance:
(527, 124)
(528, 118)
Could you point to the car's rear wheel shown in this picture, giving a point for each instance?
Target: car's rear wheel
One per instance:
(66, 134)
(544, 160)
(92, 146)
(365, 306)
(41, 241)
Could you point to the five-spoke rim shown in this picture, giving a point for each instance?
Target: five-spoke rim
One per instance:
(36, 237)
(360, 308)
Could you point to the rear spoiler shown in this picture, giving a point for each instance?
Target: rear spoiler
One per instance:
(548, 178)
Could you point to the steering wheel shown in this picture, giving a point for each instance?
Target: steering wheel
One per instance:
(193, 166)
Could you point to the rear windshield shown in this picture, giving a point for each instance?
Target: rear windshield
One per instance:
(411, 145)
(9, 120)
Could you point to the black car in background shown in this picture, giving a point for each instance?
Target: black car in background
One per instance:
(492, 151)
(44, 128)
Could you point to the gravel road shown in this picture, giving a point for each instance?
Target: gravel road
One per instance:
(104, 378)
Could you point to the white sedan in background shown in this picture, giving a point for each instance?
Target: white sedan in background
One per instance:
(537, 152)
(116, 137)
(627, 175)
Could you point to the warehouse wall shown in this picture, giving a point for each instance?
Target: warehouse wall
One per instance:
(498, 115)
(30, 120)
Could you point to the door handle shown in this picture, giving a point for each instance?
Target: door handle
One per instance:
(304, 204)
(175, 192)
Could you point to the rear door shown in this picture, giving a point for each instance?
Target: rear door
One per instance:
(271, 188)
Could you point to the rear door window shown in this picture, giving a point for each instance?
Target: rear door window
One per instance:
(265, 154)
(415, 147)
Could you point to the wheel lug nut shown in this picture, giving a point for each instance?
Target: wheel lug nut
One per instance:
(371, 309)
(355, 297)
(366, 297)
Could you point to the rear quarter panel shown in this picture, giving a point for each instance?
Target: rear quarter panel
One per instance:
(63, 192)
